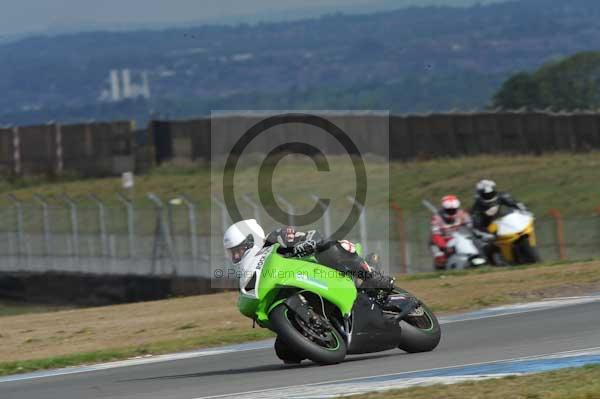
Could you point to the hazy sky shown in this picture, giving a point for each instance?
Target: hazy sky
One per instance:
(23, 16)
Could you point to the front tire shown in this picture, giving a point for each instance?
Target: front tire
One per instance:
(289, 332)
(286, 354)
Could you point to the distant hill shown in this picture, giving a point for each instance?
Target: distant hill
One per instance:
(413, 59)
(76, 16)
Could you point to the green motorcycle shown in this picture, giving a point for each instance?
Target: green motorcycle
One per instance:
(318, 313)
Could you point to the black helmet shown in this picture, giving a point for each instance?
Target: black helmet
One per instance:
(486, 192)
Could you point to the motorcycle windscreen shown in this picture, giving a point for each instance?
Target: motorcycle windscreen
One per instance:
(250, 270)
(463, 244)
(513, 223)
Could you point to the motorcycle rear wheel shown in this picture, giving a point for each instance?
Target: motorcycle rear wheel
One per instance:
(420, 332)
(525, 252)
(294, 333)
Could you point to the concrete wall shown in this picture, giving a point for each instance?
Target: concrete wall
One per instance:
(96, 290)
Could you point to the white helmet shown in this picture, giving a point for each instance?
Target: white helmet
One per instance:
(242, 236)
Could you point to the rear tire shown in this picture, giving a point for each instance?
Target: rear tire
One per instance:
(288, 333)
(420, 333)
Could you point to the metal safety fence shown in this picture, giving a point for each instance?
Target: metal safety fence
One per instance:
(177, 237)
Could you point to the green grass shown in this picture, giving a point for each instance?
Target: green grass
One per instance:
(574, 383)
(564, 181)
(481, 270)
(156, 348)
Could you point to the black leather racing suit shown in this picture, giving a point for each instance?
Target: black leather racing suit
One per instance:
(481, 221)
(339, 255)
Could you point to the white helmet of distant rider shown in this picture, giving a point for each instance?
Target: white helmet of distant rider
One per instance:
(450, 206)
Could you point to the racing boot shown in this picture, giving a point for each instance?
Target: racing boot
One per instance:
(377, 285)
(400, 304)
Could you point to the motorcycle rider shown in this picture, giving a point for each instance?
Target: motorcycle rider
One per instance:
(449, 218)
(488, 202)
(485, 210)
(247, 238)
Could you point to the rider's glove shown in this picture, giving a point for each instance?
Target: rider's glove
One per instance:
(305, 248)
(484, 236)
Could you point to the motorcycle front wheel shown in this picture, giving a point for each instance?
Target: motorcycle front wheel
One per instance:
(323, 345)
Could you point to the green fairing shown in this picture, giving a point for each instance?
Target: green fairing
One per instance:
(305, 274)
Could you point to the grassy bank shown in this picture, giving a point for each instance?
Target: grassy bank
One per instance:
(68, 337)
(564, 181)
(577, 383)
(152, 348)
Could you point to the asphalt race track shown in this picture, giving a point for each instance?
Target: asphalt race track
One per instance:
(468, 341)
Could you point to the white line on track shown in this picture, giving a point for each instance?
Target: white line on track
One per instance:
(518, 308)
(476, 315)
(355, 386)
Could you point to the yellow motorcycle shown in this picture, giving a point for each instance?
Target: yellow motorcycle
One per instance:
(514, 233)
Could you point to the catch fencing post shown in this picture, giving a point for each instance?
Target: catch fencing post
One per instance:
(74, 224)
(193, 223)
(19, 232)
(130, 223)
(101, 223)
(598, 211)
(162, 237)
(560, 238)
(224, 220)
(254, 205)
(401, 228)
(362, 223)
(326, 216)
(290, 208)
(45, 223)
(224, 213)
(171, 225)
